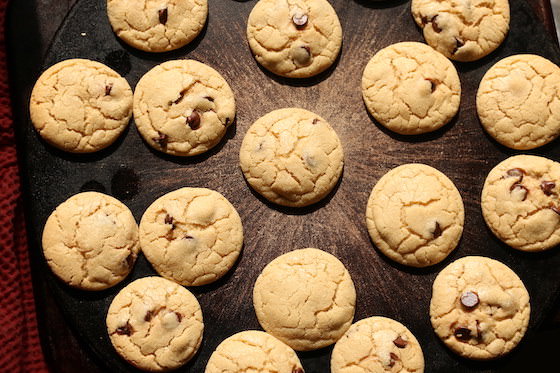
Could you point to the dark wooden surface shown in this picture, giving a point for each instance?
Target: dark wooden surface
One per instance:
(136, 175)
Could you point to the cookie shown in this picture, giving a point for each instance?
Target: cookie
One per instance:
(294, 39)
(155, 324)
(91, 241)
(157, 26)
(305, 298)
(254, 351)
(415, 215)
(410, 88)
(479, 308)
(292, 157)
(377, 344)
(80, 106)
(183, 107)
(192, 236)
(462, 30)
(521, 202)
(518, 101)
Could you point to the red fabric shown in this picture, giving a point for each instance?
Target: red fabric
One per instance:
(20, 348)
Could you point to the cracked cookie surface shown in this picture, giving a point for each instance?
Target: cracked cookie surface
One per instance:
(305, 298)
(90, 241)
(291, 157)
(415, 215)
(294, 38)
(518, 101)
(155, 324)
(462, 30)
(80, 106)
(183, 107)
(479, 308)
(410, 88)
(377, 344)
(192, 236)
(157, 25)
(253, 351)
(521, 202)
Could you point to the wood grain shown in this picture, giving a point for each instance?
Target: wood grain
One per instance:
(137, 175)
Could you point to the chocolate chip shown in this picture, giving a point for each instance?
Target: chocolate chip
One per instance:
(193, 120)
(168, 219)
(126, 329)
(555, 209)
(315, 121)
(211, 99)
(458, 44)
(462, 333)
(516, 172)
(547, 187)
(394, 358)
(518, 188)
(299, 19)
(228, 122)
(435, 25)
(161, 140)
(437, 231)
(399, 342)
(108, 88)
(188, 237)
(297, 370)
(433, 84)
(179, 316)
(424, 20)
(148, 316)
(162, 15)
(469, 299)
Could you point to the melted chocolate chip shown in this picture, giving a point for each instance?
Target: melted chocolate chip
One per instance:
(228, 122)
(433, 84)
(188, 237)
(394, 358)
(193, 120)
(399, 342)
(516, 172)
(547, 187)
(437, 231)
(108, 88)
(555, 209)
(520, 189)
(161, 140)
(169, 219)
(315, 121)
(179, 316)
(299, 19)
(462, 333)
(126, 329)
(424, 20)
(469, 299)
(148, 316)
(162, 15)
(211, 99)
(458, 44)
(435, 25)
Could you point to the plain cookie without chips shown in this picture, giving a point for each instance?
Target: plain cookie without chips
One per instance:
(377, 344)
(157, 26)
(183, 107)
(294, 38)
(292, 157)
(479, 308)
(410, 88)
(91, 241)
(80, 106)
(521, 202)
(518, 101)
(415, 215)
(253, 351)
(155, 324)
(463, 30)
(192, 236)
(305, 298)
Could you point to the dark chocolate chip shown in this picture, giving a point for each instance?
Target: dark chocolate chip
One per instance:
(126, 329)
(399, 342)
(547, 187)
(435, 25)
(189, 237)
(108, 88)
(228, 122)
(394, 358)
(469, 299)
(168, 219)
(179, 316)
(462, 333)
(193, 120)
(458, 44)
(555, 209)
(161, 140)
(433, 84)
(520, 187)
(298, 370)
(162, 14)
(211, 99)
(437, 231)
(516, 172)
(299, 19)
(424, 20)
(148, 316)
(315, 121)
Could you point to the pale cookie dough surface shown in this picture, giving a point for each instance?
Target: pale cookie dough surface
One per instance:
(305, 298)
(500, 315)
(518, 101)
(183, 107)
(377, 345)
(294, 38)
(410, 88)
(415, 215)
(192, 236)
(157, 25)
(155, 324)
(80, 106)
(91, 241)
(521, 202)
(463, 30)
(253, 351)
(292, 157)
